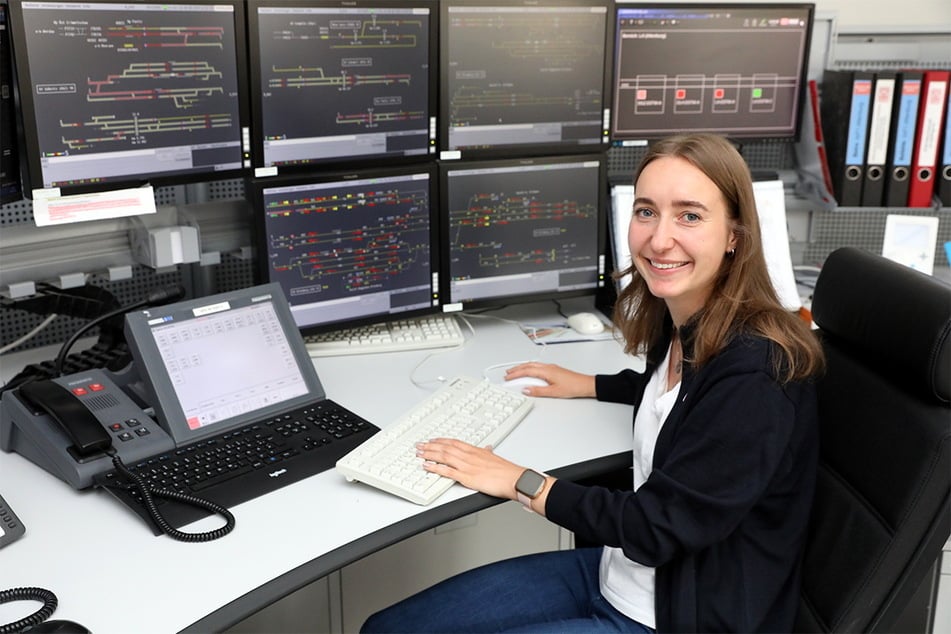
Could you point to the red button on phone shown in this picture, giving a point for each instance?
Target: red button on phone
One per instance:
(96, 387)
(79, 391)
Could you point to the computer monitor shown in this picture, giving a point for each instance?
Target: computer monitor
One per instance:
(733, 69)
(525, 75)
(350, 248)
(9, 157)
(215, 363)
(522, 229)
(342, 80)
(118, 94)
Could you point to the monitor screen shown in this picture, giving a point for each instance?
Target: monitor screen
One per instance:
(523, 229)
(733, 69)
(336, 80)
(350, 249)
(9, 158)
(215, 363)
(120, 94)
(523, 75)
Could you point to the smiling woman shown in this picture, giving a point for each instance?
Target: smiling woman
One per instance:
(724, 448)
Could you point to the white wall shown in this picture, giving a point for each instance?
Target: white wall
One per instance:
(908, 13)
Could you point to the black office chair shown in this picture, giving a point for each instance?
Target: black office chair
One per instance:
(881, 513)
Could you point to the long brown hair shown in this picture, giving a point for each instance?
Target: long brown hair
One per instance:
(743, 297)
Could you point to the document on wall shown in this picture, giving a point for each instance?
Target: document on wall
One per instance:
(911, 240)
(622, 208)
(771, 207)
(60, 210)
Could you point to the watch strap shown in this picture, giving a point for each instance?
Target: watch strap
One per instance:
(525, 501)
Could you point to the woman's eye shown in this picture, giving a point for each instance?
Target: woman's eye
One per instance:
(691, 217)
(643, 212)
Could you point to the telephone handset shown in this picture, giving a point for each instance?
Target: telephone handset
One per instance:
(79, 423)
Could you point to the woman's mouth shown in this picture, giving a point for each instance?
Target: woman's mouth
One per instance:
(666, 265)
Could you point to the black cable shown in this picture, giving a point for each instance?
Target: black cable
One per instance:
(47, 598)
(158, 296)
(147, 492)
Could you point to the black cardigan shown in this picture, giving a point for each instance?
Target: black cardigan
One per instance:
(723, 515)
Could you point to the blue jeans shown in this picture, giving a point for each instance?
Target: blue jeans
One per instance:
(547, 592)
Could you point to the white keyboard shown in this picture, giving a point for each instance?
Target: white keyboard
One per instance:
(478, 412)
(435, 331)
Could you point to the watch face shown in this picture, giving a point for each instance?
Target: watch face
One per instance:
(530, 483)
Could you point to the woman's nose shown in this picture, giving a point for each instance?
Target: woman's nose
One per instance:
(663, 235)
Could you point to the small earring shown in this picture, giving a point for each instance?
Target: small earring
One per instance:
(731, 252)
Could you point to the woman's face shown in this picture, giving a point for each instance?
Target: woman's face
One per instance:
(679, 234)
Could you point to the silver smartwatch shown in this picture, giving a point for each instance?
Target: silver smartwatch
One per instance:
(529, 486)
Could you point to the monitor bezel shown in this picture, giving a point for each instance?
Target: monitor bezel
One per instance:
(256, 188)
(622, 140)
(446, 167)
(31, 162)
(158, 383)
(262, 170)
(447, 153)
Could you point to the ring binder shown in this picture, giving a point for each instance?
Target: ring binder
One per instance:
(846, 105)
(925, 159)
(902, 143)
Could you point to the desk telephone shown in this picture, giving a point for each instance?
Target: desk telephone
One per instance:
(67, 424)
(82, 426)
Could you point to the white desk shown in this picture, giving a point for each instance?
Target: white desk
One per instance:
(112, 575)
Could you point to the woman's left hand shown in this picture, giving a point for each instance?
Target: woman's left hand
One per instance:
(477, 468)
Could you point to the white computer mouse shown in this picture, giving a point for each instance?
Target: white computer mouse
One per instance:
(585, 323)
(521, 382)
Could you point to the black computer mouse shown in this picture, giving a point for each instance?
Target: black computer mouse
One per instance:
(58, 626)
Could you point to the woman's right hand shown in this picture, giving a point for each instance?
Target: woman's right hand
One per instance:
(562, 383)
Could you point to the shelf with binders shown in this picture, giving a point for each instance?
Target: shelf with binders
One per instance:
(878, 139)
(914, 229)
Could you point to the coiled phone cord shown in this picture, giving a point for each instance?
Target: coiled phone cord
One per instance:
(28, 594)
(148, 492)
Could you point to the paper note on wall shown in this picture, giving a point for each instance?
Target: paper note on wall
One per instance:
(911, 240)
(622, 207)
(771, 207)
(118, 203)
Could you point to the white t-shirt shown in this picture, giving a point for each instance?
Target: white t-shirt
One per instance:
(626, 584)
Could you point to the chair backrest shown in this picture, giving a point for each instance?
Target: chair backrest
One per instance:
(881, 514)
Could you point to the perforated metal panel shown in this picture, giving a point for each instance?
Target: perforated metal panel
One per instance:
(15, 213)
(764, 155)
(226, 190)
(865, 229)
(233, 273)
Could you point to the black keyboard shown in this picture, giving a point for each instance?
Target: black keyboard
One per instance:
(243, 464)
